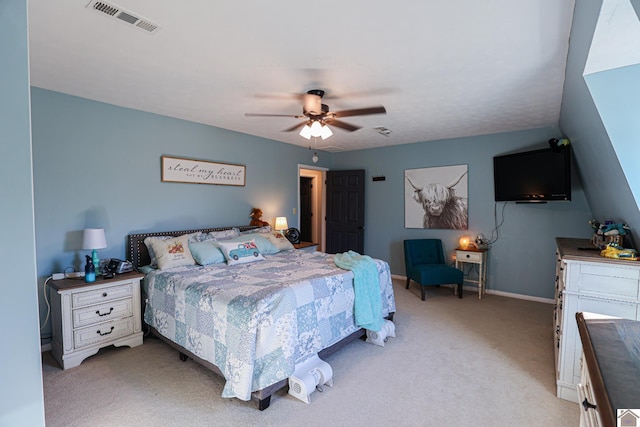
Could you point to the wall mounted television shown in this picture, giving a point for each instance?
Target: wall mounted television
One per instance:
(533, 176)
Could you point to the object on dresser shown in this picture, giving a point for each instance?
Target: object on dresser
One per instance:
(616, 251)
(256, 218)
(117, 266)
(609, 232)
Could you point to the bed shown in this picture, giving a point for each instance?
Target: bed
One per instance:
(252, 322)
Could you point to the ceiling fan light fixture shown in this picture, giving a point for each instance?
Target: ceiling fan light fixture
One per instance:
(316, 128)
(325, 132)
(305, 132)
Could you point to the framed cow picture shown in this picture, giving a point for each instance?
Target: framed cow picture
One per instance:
(436, 197)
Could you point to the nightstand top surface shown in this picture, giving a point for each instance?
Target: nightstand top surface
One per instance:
(65, 284)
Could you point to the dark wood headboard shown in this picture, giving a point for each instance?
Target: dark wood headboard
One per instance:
(138, 253)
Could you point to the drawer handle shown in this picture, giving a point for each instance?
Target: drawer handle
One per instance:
(587, 405)
(104, 314)
(104, 294)
(106, 333)
(468, 256)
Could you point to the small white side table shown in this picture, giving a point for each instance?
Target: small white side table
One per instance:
(478, 257)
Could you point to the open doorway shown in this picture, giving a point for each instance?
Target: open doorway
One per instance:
(311, 204)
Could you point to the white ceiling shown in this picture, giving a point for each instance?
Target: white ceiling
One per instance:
(442, 68)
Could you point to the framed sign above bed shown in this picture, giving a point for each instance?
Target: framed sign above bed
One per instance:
(176, 169)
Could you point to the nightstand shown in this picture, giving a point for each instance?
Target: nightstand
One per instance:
(306, 246)
(478, 257)
(89, 316)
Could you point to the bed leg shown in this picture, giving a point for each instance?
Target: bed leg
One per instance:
(264, 403)
(183, 357)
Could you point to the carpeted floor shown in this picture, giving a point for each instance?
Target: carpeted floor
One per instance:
(460, 362)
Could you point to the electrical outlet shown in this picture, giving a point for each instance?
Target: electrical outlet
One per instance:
(57, 276)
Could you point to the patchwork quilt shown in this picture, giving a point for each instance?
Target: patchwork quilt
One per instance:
(255, 321)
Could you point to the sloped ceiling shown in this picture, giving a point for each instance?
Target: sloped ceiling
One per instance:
(442, 69)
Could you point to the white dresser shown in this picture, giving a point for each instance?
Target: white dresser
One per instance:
(585, 281)
(89, 316)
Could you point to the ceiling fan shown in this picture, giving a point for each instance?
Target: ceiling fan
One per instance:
(318, 115)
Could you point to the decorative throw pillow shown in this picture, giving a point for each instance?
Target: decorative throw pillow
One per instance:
(207, 252)
(279, 241)
(240, 252)
(262, 242)
(193, 237)
(172, 252)
(152, 254)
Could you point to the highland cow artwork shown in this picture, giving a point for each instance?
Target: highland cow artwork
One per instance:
(436, 197)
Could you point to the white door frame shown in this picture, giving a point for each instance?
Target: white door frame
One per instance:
(318, 201)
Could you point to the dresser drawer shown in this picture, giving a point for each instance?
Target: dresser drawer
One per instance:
(102, 313)
(102, 332)
(468, 256)
(609, 280)
(82, 299)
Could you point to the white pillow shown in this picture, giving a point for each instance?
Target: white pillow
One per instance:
(223, 234)
(172, 252)
(240, 252)
(193, 237)
(279, 241)
(263, 229)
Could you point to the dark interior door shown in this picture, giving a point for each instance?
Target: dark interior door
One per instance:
(306, 213)
(345, 211)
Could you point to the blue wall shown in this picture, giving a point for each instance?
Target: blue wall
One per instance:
(22, 401)
(522, 260)
(616, 94)
(606, 187)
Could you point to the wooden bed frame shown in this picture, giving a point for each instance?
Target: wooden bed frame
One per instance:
(138, 254)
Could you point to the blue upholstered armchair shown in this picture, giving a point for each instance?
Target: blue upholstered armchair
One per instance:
(425, 264)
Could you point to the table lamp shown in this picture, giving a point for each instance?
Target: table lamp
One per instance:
(281, 223)
(94, 239)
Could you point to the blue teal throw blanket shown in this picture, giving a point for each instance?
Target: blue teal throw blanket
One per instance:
(366, 284)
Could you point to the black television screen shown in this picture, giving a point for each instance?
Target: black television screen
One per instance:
(533, 176)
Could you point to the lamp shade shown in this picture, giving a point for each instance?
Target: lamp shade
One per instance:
(93, 238)
(281, 223)
(464, 242)
(305, 132)
(316, 128)
(325, 132)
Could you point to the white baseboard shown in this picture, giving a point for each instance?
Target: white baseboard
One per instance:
(493, 292)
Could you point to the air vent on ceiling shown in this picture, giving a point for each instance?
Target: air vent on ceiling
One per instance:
(113, 11)
(332, 148)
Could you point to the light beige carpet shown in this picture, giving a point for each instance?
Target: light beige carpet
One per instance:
(461, 362)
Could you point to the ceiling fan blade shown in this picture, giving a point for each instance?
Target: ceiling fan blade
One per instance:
(342, 125)
(296, 127)
(272, 115)
(359, 112)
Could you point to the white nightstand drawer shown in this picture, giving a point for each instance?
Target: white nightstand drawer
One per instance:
(82, 299)
(102, 313)
(469, 256)
(102, 332)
